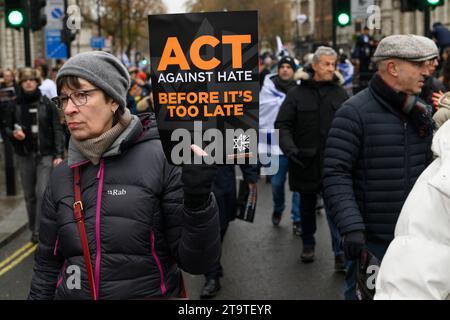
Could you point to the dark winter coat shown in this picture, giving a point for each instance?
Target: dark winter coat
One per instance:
(140, 234)
(304, 120)
(50, 135)
(372, 160)
(442, 35)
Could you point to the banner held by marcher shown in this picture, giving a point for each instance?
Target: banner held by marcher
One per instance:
(204, 73)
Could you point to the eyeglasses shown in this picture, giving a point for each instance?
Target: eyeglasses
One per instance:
(421, 64)
(79, 98)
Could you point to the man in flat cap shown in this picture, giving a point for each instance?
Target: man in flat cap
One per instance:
(378, 145)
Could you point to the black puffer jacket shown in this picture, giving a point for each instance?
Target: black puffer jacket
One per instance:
(372, 160)
(139, 232)
(304, 120)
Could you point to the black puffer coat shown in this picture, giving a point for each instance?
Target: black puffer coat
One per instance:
(139, 232)
(372, 160)
(304, 120)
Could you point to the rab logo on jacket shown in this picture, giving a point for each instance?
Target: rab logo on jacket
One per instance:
(116, 192)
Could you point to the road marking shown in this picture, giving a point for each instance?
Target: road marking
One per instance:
(17, 257)
(16, 253)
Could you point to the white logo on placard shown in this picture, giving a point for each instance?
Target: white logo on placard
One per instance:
(242, 143)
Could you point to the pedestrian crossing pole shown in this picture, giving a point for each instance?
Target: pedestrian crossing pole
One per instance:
(26, 32)
(333, 24)
(10, 172)
(426, 13)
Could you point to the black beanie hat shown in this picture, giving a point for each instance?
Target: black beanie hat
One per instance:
(290, 61)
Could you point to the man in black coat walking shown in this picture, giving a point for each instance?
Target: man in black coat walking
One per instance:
(304, 120)
(378, 145)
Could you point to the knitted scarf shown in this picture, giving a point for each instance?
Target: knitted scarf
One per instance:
(94, 148)
(409, 106)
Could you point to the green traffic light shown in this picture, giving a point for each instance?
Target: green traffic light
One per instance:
(15, 18)
(433, 2)
(343, 19)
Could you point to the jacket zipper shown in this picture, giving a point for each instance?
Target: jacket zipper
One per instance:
(100, 176)
(61, 274)
(37, 125)
(405, 125)
(55, 249)
(158, 263)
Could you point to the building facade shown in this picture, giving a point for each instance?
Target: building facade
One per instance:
(12, 51)
(317, 30)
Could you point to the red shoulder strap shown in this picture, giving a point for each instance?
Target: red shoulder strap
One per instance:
(78, 215)
(183, 293)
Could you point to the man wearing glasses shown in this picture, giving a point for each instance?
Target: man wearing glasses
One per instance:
(432, 84)
(378, 145)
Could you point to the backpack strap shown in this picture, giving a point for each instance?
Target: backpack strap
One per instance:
(78, 215)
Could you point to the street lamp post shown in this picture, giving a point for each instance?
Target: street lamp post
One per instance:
(297, 42)
(333, 22)
(426, 16)
(99, 30)
(26, 33)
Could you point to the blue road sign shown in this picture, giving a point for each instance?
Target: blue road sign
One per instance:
(57, 13)
(54, 48)
(97, 42)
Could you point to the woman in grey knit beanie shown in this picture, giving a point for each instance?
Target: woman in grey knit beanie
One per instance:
(143, 218)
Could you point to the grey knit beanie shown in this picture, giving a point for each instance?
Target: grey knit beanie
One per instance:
(103, 70)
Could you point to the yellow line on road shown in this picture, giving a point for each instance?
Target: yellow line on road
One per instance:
(15, 254)
(17, 257)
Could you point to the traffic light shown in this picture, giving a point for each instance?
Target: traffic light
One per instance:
(342, 13)
(435, 3)
(413, 5)
(38, 18)
(15, 13)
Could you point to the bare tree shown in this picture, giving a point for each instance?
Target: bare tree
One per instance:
(274, 15)
(125, 20)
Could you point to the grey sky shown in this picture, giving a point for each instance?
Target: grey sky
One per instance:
(175, 6)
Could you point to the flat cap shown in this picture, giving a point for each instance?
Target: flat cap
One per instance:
(406, 47)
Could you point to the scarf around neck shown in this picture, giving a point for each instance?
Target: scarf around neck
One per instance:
(408, 106)
(94, 148)
(26, 98)
(283, 85)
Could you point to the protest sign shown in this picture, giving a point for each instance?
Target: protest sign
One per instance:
(204, 73)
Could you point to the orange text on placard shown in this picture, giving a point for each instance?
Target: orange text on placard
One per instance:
(173, 53)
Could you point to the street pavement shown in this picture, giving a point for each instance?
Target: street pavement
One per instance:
(260, 261)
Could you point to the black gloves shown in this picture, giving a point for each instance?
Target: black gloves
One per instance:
(354, 243)
(293, 156)
(198, 180)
